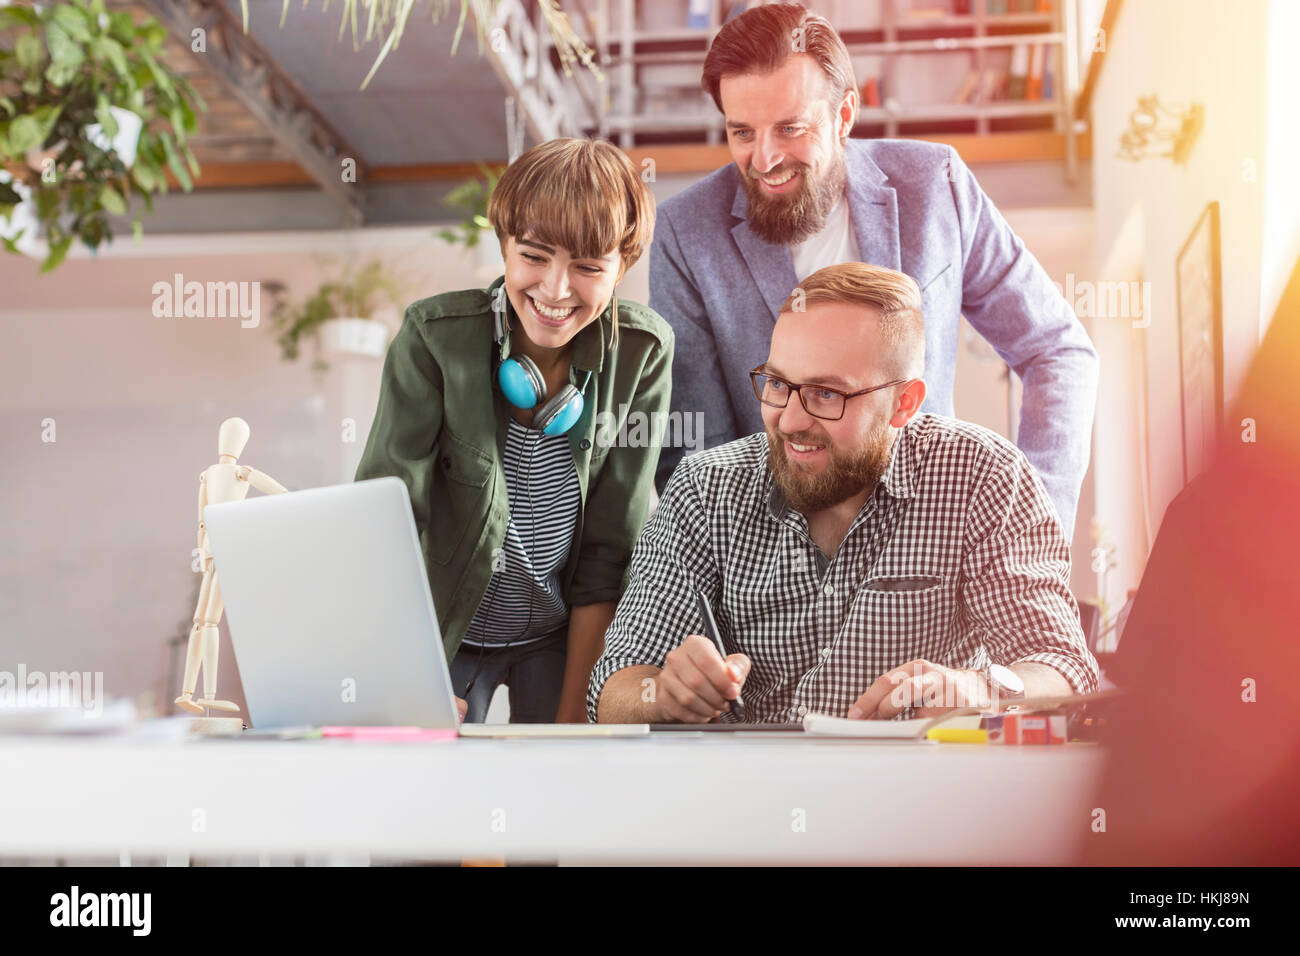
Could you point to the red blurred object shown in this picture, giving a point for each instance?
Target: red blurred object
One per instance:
(1205, 749)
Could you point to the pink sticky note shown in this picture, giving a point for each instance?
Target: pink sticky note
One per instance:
(388, 733)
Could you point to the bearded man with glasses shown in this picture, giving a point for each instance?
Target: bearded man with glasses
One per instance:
(862, 559)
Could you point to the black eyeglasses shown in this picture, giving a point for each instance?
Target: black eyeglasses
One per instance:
(820, 401)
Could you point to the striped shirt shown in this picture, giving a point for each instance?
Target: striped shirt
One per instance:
(524, 600)
(957, 558)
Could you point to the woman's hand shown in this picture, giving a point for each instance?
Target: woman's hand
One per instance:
(462, 708)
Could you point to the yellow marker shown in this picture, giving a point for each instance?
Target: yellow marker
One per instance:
(958, 735)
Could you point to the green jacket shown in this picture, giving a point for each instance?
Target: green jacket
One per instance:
(441, 426)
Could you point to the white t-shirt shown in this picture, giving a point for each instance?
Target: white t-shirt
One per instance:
(835, 243)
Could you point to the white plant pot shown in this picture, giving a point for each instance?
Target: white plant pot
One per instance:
(350, 336)
(127, 139)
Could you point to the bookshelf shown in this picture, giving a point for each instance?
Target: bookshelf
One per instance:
(934, 67)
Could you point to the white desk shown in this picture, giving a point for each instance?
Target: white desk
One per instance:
(699, 799)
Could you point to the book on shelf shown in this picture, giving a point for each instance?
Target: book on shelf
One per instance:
(969, 87)
(1034, 82)
(994, 85)
(1018, 75)
(870, 94)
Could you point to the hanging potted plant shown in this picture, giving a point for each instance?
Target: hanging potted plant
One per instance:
(88, 117)
(340, 316)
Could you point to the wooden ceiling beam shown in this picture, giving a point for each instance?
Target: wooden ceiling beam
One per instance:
(252, 76)
(668, 159)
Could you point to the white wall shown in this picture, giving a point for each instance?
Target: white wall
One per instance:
(1184, 51)
(1281, 243)
(96, 528)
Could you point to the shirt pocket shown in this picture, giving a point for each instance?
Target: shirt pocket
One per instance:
(458, 495)
(905, 618)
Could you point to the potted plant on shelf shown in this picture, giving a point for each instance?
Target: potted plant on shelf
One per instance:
(89, 116)
(472, 196)
(339, 315)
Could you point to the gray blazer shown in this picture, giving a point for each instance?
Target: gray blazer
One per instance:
(915, 207)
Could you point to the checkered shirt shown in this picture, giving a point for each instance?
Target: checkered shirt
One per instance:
(957, 558)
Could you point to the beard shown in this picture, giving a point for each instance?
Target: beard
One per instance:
(787, 218)
(847, 474)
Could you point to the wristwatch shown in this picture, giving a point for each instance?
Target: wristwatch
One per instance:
(1004, 683)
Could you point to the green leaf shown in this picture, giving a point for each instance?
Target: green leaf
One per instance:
(137, 229)
(187, 114)
(160, 76)
(64, 50)
(104, 113)
(112, 200)
(24, 134)
(8, 105)
(47, 203)
(190, 161)
(73, 20)
(152, 33)
(20, 15)
(32, 86)
(106, 48)
(58, 251)
(46, 117)
(121, 27)
(30, 52)
(61, 74)
(145, 175)
(174, 162)
(177, 119)
(12, 244)
(192, 98)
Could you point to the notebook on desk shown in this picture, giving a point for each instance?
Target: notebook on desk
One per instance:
(734, 728)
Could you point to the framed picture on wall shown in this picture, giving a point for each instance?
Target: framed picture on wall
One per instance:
(1200, 341)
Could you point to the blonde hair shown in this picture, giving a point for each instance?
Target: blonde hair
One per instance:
(893, 296)
(582, 195)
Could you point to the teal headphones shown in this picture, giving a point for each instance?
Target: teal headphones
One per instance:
(522, 383)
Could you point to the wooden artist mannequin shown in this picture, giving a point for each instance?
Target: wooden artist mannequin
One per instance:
(224, 481)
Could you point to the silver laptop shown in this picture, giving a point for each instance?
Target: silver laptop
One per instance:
(329, 608)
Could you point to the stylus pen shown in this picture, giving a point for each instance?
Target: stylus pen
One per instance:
(711, 626)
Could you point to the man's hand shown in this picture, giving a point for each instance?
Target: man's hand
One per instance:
(933, 687)
(571, 712)
(696, 682)
(462, 709)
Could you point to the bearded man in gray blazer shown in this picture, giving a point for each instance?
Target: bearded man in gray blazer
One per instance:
(801, 195)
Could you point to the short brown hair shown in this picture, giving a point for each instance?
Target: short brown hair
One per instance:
(762, 39)
(893, 296)
(582, 195)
